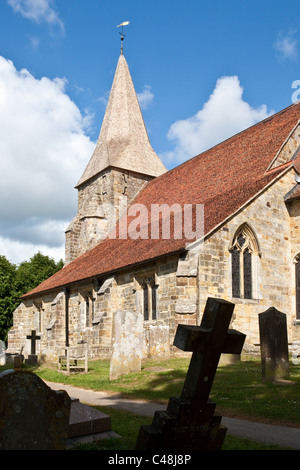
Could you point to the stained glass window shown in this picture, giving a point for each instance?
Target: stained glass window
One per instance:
(247, 274)
(235, 255)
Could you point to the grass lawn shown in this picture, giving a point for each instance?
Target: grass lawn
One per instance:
(238, 390)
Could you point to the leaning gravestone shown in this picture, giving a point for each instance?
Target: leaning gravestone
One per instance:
(2, 353)
(273, 345)
(32, 416)
(189, 422)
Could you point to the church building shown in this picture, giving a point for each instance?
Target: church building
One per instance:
(155, 244)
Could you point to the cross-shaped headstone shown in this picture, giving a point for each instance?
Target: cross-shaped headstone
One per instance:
(189, 422)
(33, 337)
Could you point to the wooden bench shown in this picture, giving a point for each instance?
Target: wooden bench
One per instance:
(74, 358)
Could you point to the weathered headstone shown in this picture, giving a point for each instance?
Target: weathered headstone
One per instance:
(189, 422)
(2, 353)
(32, 357)
(127, 343)
(274, 345)
(18, 361)
(32, 416)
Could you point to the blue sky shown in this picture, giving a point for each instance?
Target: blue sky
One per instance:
(202, 70)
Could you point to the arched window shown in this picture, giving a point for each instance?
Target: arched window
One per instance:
(244, 255)
(149, 302)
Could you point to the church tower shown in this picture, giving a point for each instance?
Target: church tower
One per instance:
(122, 163)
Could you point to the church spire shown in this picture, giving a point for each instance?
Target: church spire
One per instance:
(123, 141)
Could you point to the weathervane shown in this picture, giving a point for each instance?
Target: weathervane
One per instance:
(125, 23)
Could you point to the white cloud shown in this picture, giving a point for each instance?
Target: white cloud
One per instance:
(145, 97)
(17, 251)
(286, 45)
(43, 151)
(223, 115)
(37, 10)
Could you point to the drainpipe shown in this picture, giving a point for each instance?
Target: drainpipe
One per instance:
(67, 296)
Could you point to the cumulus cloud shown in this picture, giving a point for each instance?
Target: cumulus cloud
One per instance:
(38, 11)
(17, 251)
(223, 115)
(43, 151)
(145, 97)
(287, 45)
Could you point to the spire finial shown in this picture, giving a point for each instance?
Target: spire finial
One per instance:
(125, 23)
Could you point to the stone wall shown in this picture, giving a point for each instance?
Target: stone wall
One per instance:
(91, 308)
(182, 283)
(278, 236)
(100, 202)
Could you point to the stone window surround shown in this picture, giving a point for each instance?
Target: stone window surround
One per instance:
(87, 299)
(253, 246)
(140, 283)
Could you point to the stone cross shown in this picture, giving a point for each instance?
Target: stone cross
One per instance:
(189, 422)
(33, 337)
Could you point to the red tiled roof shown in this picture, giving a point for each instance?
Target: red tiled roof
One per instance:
(223, 178)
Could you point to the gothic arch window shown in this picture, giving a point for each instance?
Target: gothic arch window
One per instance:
(244, 263)
(297, 285)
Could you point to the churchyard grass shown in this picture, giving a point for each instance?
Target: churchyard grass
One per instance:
(238, 389)
(127, 426)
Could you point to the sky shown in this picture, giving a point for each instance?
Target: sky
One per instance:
(202, 70)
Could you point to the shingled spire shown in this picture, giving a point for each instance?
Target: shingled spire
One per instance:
(123, 141)
(122, 164)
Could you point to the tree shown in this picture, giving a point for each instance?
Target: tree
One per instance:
(16, 281)
(31, 273)
(8, 295)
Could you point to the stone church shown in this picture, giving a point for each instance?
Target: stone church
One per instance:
(131, 249)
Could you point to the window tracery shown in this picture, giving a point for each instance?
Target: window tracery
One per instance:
(244, 254)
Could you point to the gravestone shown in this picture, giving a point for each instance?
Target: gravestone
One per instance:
(18, 361)
(2, 353)
(189, 422)
(127, 343)
(274, 345)
(86, 420)
(32, 416)
(32, 357)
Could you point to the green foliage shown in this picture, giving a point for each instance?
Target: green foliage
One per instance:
(15, 281)
(31, 273)
(8, 295)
